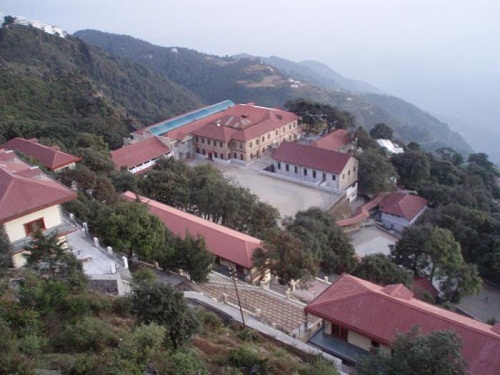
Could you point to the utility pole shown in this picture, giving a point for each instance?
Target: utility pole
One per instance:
(232, 272)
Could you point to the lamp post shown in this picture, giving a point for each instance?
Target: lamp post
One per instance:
(232, 272)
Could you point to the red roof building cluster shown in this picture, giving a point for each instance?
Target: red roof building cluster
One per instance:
(25, 189)
(51, 157)
(379, 312)
(221, 241)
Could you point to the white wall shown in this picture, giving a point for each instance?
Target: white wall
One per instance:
(52, 217)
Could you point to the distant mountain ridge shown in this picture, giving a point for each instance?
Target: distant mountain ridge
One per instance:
(246, 78)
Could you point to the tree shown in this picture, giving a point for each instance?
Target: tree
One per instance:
(130, 228)
(156, 302)
(379, 269)
(412, 167)
(427, 251)
(48, 258)
(286, 257)
(375, 172)
(189, 254)
(5, 248)
(417, 354)
(324, 239)
(381, 131)
(461, 281)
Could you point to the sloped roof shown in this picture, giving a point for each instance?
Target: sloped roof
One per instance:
(334, 140)
(50, 157)
(221, 241)
(311, 157)
(379, 312)
(215, 131)
(139, 152)
(403, 205)
(25, 189)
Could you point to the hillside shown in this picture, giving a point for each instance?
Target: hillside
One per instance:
(54, 87)
(252, 79)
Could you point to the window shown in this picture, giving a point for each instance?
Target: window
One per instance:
(251, 156)
(241, 146)
(215, 155)
(241, 157)
(34, 226)
(289, 126)
(296, 169)
(354, 169)
(339, 331)
(349, 173)
(203, 140)
(257, 141)
(287, 167)
(305, 171)
(222, 156)
(314, 174)
(197, 150)
(203, 151)
(220, 144)
(268, 135)
(235, 156)
(263, 138)
(279, 165)
(197, 139)
(276, 132)
(208, 141)
(343, 176)
(334, 177)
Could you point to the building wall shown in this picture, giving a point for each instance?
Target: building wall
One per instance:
(360, 341)
(349, 175)
(248, 150)
(52, 217)
(345, 181)
(18, 259)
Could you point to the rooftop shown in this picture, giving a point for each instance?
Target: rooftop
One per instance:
(25, 189)
(380, 312)
(403, 205)
(334, 140)
(140, 152)
(221, 241)
(50, 157)
(312, 157)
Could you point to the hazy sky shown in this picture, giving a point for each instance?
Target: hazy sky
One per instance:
(443, 55)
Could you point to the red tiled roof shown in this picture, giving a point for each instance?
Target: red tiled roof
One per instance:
(334, 140)
(311, 157)
(373, 312)
(50, 157)
(139, 152)
(403, 205)
(25, 189)
(421, 286)
(221, 241)
(215, 131)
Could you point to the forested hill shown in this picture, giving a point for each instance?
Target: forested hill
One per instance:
(250, 79)
(54, 88)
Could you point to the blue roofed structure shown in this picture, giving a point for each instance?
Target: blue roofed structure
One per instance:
(165, 126)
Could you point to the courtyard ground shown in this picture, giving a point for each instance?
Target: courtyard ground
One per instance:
(371, 240)
(287, 197)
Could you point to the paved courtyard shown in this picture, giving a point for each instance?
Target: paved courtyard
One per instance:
(287, 197)
(372, 240)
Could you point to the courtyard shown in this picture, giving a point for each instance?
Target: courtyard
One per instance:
(288, 197)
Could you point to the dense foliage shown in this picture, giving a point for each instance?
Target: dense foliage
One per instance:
(55, 88)
(417, 354)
